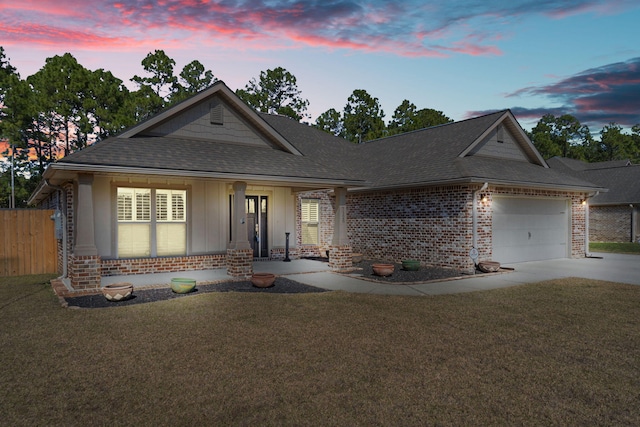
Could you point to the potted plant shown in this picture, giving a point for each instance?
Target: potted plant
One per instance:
(382, 269)
(182, 285)
(411, 264)
(263, 280)
(117, 291)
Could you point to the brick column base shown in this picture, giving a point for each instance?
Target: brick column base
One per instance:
(240, 262)
(84, 271)
(340, 258)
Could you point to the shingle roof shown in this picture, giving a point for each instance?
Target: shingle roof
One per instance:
(619, 176)
(426, 157)
(204, 156)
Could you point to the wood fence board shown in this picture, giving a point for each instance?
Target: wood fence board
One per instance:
(28, 244)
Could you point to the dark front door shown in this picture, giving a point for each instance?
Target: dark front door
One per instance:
(257, 225)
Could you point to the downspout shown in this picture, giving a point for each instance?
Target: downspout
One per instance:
(474, 210)
(65, 261)
(634, 222)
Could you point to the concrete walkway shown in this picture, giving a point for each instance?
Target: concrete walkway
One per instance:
(610, 267)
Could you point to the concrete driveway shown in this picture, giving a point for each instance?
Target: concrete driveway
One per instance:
(610, 267)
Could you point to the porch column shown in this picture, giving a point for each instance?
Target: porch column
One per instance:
(85, 236)
(340, 253)
(239, 253)
(239, 226)
(340, 221)
(84, 268)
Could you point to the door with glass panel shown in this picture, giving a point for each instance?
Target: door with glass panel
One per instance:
(257, 225)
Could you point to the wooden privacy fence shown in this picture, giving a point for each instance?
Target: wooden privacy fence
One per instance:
(27, 242)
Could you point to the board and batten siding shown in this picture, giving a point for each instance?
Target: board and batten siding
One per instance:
(196, 123)
(500, 143)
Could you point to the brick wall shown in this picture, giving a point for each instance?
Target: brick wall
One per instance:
(610, 223)
(117, 267)
(433, 225)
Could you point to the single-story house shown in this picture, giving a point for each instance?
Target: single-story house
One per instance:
(613, 216)
(211, 183)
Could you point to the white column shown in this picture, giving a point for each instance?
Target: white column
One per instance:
(239, 225)
(84, 229)
(340, 221)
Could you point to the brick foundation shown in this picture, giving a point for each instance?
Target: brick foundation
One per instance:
(279, 253)
(118, 267)
(240, 262)
(340, 258)
(84, 272)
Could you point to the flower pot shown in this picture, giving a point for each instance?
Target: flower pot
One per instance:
(356, 258)
(411, 265)
(117, 291)
(182, 285)
(263, 280)
(383, 269)
(489, 266)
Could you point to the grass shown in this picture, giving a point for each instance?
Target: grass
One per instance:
(564, 352)
(621, 248)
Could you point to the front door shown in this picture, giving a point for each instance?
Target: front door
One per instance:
(256, 207)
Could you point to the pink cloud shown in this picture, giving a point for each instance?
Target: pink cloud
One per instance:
(404, 28)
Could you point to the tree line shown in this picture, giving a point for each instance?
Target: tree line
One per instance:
(65, 107)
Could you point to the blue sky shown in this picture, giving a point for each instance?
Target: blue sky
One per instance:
(465, 58)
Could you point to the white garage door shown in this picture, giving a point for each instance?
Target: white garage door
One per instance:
(529, 229)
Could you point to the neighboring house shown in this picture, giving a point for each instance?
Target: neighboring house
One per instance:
(211, 183)
(613, 215)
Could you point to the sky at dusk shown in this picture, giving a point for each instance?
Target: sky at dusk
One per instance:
(465, 58)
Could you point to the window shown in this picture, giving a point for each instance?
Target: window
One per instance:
(143, 234)
(310, 215)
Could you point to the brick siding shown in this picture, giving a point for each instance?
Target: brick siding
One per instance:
(118, 267)
(432, 224)
(610, 223)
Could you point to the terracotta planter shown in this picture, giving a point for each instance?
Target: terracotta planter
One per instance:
(411, 265)
(489, 266)
(263, 280)
(117, 291)
(383, 269)
(182, 285)
(356, 258)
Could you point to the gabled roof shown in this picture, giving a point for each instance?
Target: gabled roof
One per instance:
(169, 144)
(620, 177)
(451, 153)
(219, 90)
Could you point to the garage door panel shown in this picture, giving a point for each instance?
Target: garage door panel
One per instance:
(529, 229)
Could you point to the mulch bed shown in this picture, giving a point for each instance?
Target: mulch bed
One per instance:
(400, 275)
(281, 286)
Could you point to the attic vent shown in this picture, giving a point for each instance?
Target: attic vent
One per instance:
(216, 114)
(500, 134)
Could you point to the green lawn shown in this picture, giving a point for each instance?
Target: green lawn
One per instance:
(565, 352)
(621, 248)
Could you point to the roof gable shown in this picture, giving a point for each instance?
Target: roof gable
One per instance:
(505, 139)
(216, 114)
